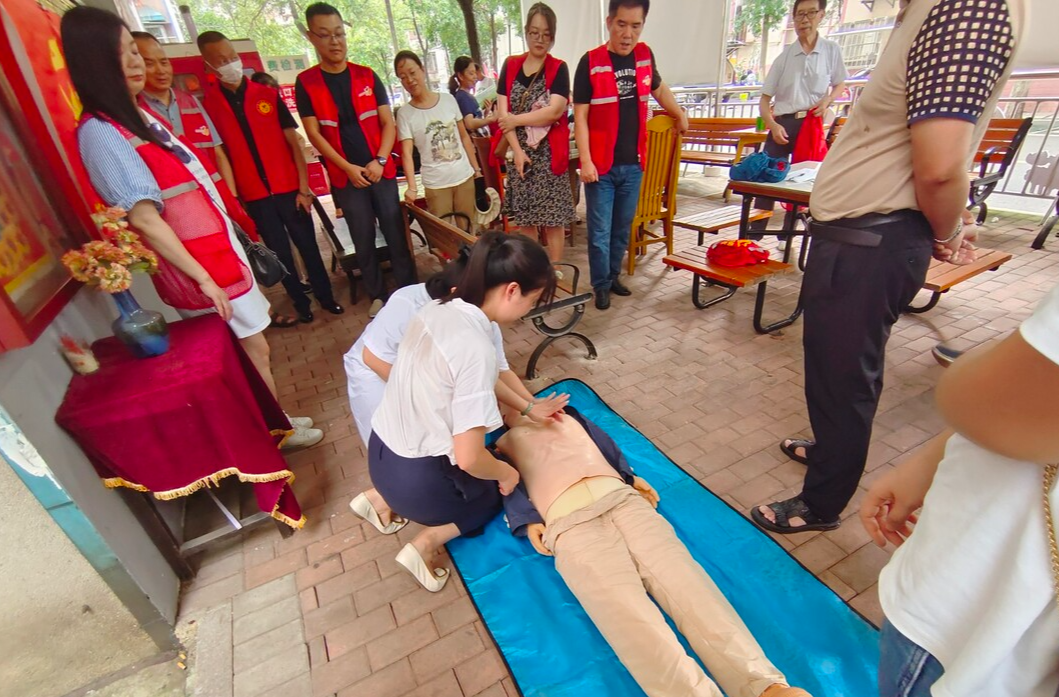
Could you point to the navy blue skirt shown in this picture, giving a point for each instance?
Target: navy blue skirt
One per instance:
(431, 490)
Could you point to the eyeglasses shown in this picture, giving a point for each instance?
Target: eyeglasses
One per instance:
(534, 35)
(167, 139)
(337, 37)
(807, 14)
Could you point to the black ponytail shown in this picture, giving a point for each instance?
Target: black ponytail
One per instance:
(498, 259)
(440, 285)
(461, 65)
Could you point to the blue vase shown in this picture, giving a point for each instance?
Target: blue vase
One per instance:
(145, 332)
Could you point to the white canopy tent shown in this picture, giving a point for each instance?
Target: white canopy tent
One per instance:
(1039, 46)
(688, 39)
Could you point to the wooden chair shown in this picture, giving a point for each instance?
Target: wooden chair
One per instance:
(996, 153)
(836, 126)
(444, 241)
(658, 190)
(942, 276)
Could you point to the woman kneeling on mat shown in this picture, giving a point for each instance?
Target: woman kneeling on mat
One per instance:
(369, 363)
(580, 501)
(427, 454)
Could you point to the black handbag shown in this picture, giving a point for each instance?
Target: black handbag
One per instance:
(265, 265)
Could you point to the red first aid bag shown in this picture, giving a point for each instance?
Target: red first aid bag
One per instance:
(736, 253)
(811, 145)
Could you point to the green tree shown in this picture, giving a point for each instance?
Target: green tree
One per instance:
(762, 16)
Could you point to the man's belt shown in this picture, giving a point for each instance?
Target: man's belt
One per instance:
(856, 231)
(795, 115)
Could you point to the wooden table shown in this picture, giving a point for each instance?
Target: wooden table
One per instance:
(748, 138)
(796, 194)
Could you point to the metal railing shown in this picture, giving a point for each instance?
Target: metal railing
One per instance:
(1034, 173)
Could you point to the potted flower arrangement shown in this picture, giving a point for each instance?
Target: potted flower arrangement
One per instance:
(108, 264)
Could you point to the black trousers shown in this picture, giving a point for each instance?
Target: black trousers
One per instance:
(852, 296)
(362, 207)
(793, 126)
(279, 222)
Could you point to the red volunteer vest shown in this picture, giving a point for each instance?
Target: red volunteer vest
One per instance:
(559, 134)
(603, 112)
(364, 105)
(193, 124)
(199, 226)
(259, 105)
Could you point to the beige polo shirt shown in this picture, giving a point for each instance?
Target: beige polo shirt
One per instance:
(946, 58)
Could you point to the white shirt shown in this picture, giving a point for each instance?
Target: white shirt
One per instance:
(973, 584)
(797, 81)
(437, 138)
(442, 383)
(383, 337)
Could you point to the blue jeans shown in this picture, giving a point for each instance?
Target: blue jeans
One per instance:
(611, 206)
(905, 669)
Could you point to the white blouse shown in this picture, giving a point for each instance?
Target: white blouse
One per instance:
(442, 383)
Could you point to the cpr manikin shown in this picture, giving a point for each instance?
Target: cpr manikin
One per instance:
(579, 501)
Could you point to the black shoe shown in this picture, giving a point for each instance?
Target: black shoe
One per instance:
(945, 355)
(602, 298)
(305, 316)
(332, 307)
(617, 288)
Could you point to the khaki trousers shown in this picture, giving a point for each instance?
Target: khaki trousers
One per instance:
(615, 552)
(454, 199)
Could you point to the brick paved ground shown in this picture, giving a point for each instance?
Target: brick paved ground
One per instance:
(327, 612)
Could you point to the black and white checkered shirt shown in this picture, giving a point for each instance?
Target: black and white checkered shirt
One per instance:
(958, 57)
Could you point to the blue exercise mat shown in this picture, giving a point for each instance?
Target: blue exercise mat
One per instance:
(554, 650)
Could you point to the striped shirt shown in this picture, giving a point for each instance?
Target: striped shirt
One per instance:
(118, 174)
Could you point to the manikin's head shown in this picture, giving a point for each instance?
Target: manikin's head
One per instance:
(625, 22)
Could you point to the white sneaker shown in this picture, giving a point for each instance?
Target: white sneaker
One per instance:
(376, 306)
(299, 421)
(303, 438)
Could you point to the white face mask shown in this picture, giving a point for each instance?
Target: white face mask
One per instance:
(231, 72)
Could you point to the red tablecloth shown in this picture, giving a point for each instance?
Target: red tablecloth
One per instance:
(178, 422)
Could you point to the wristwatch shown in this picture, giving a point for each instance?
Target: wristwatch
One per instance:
(382, 160)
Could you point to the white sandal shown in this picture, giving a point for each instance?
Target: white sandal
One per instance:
(431, 579)
(362, 507)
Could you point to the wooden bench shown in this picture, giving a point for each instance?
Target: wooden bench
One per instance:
(996, 153)
(717, 219)
(444, 242)
(836, 127)
(731, 279)
(718, 142)
(942, 276)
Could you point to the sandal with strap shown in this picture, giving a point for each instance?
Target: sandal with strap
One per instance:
(791, 508)
(790, 449)
(282, 321)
